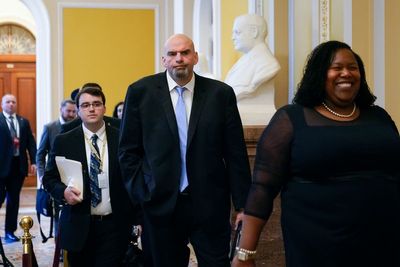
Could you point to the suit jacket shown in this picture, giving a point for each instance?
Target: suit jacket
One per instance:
(50, 131)
(26, 143)
(75, 219)
(216, 157)
(110, 121)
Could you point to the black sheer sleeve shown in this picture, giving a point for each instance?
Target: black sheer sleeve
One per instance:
(271, 167)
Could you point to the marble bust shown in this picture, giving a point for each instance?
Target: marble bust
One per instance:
(257, 65)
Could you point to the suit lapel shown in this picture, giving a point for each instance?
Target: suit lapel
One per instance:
(197, 106)
(3, 123)
(112, 146)
(79, 140)
(165, 98)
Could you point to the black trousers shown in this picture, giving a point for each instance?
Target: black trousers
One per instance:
(10, 188)
(105, 247)
(168, 241)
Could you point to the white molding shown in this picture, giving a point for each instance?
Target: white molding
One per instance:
(43, 64)
(271, 26)
(291, 57)
(62, 5)
(217, 39)
(348, 21)
(196, 19)
(256, 7)
(379, 52)
(178, 16)
(315, 23)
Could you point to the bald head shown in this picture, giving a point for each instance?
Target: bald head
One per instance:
(179, 58)
(9, 104)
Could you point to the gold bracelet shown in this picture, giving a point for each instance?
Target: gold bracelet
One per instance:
(245, 254)
(251, 252)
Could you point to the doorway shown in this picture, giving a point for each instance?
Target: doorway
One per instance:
(18, 74)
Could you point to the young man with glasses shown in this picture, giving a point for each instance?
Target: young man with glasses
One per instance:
(114, 122)
(94, 224)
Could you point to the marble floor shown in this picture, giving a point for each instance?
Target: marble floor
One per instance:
(270, 250)
(43, 251)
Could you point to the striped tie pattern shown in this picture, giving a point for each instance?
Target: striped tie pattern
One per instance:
(13, 132)
(94, 172)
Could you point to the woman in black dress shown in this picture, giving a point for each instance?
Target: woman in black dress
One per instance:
(335, 158)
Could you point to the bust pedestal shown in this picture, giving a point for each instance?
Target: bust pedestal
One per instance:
(259, 107)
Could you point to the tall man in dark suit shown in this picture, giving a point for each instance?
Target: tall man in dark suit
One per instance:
(184, 169)
(50, 131)
(94, 224)
(15, 140)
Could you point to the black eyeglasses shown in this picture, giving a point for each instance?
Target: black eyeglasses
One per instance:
(95, 105)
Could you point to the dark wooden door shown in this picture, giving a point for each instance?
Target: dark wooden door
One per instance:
(18, 77)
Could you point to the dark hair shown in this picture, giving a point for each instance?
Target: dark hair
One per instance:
(311, 90)
(86, 85)
(67, 101)
(115, 112)
(94, 85)
(74, 93)
(91, 91)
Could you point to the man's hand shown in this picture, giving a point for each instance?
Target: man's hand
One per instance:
(239, 217)
(33, 168)
(71, 195)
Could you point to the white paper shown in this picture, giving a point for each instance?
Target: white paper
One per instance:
(71, 173)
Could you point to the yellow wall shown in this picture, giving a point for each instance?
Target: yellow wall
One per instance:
(362, 35)
(392, 59)
(230, 9)
(112, 47)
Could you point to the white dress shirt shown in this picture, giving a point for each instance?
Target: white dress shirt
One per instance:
(187, 94)
(104, 207)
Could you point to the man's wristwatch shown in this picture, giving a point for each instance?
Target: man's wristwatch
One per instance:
(244, 254)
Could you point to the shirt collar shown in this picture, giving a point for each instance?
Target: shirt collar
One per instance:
(8, 115)
(100, 133)
(172, 84)
(62, 121)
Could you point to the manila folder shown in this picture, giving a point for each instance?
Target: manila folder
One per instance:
(70, 173)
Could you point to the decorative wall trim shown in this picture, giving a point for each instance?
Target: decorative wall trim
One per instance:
(324, 24)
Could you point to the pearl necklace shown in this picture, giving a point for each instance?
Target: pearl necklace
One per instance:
(338, 114)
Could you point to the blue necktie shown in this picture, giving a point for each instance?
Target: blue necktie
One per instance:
(94, 172)
(13, 132)
(180, 112)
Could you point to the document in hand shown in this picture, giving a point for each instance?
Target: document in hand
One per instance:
(70, 173)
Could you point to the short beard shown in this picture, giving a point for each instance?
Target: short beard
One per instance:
(66, 119)
(180, 74)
